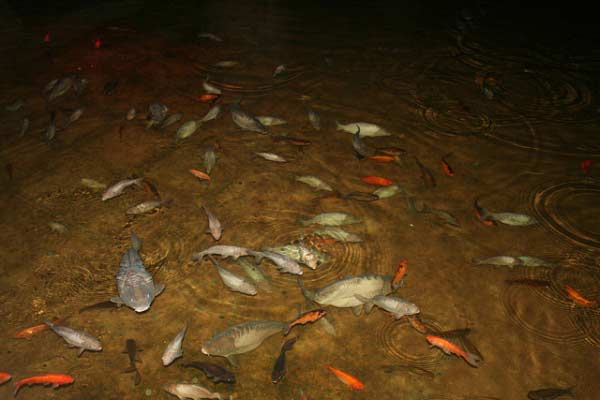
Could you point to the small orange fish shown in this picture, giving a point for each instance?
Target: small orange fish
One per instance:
(382, 159)
(310, 316)
(376, 180)
(400, 272)
(417, 324)
(27, 333)
(450, 348)
(585, 166)
(348, 379)
(447, 168)
(200, 174)
(4, 377)
(208, 97)
(97, 43)
(47, 37)
(578, 298)
(46, 379)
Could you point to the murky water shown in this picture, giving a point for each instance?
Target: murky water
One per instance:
(514, 112)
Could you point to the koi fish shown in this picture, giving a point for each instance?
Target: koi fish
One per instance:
(208, 97)
(578, 298)
(447, 168)
(400, 273)
(417, 324)
(4, 377)
(199, 174)
(483, 216)
(310, 316)
(382, 158)
(450, 348)
(348, 379)
(27, 333)
(585, 166)
(376, 180)
(55, 380)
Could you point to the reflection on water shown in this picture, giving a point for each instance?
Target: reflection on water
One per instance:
(481, 113)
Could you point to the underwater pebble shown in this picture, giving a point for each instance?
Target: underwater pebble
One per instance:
(195, 380)
(148, 392)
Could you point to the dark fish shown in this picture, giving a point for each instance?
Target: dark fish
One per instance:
(291, 140)
(279, 368)
(361, 149)
(426, 174)
(360, 196)
(110, 87)
(9, 171)
(51, 130)
(99, 306)
(151, 188)
(213, 371)
(456, 333)
(528, 282)
(549, 394)
(131, 349)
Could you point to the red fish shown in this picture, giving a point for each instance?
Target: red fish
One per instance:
(4, 377)
(585, 166)
(97, 43)
(382, 159)
(578, 297)
(310, 316)
(208, 97)
(376, 180)
(447, 168)
(55, 380)
(450, 348)
(400, 272)
(27, 333)
(47, 37)
(200, 174)
(348, 379)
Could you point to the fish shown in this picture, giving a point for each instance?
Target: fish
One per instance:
(284, 263)
(366, 129)
(271, 121)
(271, 157)
(213, 371)
(279, 70)
(57, 227)
(382, 158)
(75, 115)
(28, 332)
(346, 378)
(338, 234)
(450, 348)
(82, 340)
(307, 317)
(529, 261)
(301, 253)
(135, 285)
(234, 281)
(482, 215)
(60, 87)
(392, 151)
(585, 166)
(209, 36)
(174, 349)
(241, 338)
(214, 225)
(224, 251)
(246, 121)
(342, 293)
(256, 274)
(208, 98)
(314, 119)
(131, 114)
(199, 174)
(578, 297)
(417, 324)
(377, 180)
(55, 380)
(171, 119)
(507, 218)
(226, 64)
(186, 391)
(331, 219)
(447, 168)
(157, 113)
(550, 393)
(500, 261)
(291, 140)
(186, 130)
(395, 305)
(118, 188)
(132, 350)
(93, 184)
(279, 369)
(400, 273)
(314, 182)
(426, 174)
(443, 215)
(388, 191)
(210, 159)
(210, 88)
(361, 149)
(146, 206)
(528, 282)
(4, 377)
(359, 196)
(212, 113)
(110, 87)
(24, 127)
(15, 105)
(51, 129)
(98, 306)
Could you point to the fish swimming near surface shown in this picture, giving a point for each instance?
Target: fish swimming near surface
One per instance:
(118, 188)
(450, 348)
(186, 130)
(284, 263)
(314, 182)
(366, 129)
(210, 88)
(307, 317)
(241, 338)
(213, 113)
(186, 391)
(279, 369)
(331, 219)
(346, 378)
(82, 340)
(214, 225)
(500, 261)
(233, 281)
(174, 349)
(214, 372)
(132, 351)
(246, 121)
(395, 305)
(51, 379)
(550, 393)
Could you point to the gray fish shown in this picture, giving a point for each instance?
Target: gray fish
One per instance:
(118, 188)
(157, 113)
(359, 196)
(445, 216)
(284, 263)
(57, 227)
(50, 85)
(233, 281)
(210, 159)
(314, 182)
(146, 206)
(338, 234)
(257, 275)
(279, 370)
(171, 119)
(241, 338)
(212, 113)
(24, 127)
(301, 253)
(214, 225)
(60, 87)
(362, 150)
(246, 121)
(174, 349)
(315, 119)
(224, 251)
(185, 391)
(271, 121)
(15, 105)
(135, 285)
(549, 394)
(210, 88)
(82, 340)
(186, 130)
(507, 218)
(366, 129)
(395, 305)
(79, 85)
(387, 191)
(529, 261)
(271, 157)
(331, 219)
(51, 130)
(500, 260)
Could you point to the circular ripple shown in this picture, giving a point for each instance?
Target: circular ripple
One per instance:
(390, 336)
(456, 121)
(587, 320)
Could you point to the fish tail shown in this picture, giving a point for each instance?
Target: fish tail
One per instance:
(49, 323)
(17, 387)
(472, 359)
(339, 126)
(287, 330)
(309, 294)
(136, 242)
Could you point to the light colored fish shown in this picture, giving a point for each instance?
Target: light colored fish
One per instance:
(131, 114)
(50, 85)
(279, 70)
(224, 251)
(210, 159)
(74, 116)
(314, 182)
(246, 121)
(233, 281)
(118, 188)
(314, 118)
(500, 260)
(361, 148)
(302, 254)
(255, 272)
(171, 119)
(284, 263)
(186, 130)
(529, 261)
(271, 157)
(185, 391)
(57, 227)
(24, 127)
(92, 184)
(271, 121)
(214, 225)
(210, 88)
(146, 206)
(210, 36)
(241, 338)
(338, 234)
(331, 219)
(15, 105)
(507, 218)
(395, 305)
(387, 191)
(213, 113)
(60, 87)
(226, 64)
(82, 340)
(366, 129)
(174, 349)
(51, 130)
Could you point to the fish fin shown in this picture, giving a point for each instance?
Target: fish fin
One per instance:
(232, 360)
(136, 242)
(357, 310)
(117, 300)
(80, 352)
(472, 359)
(369, 307)
(158, 289)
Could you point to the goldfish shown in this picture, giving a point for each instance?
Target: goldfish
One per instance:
(578, 298)
(400, 273)
(97, 43)
(585, 166)
(199, 174)
(376, 180)
(310, 316)
(382, 158)
(4, 377)
(348, 379)
(450, 348)
(55, 380)
(447, 168)
(27, 333)
(483, 216)
(208, 97)
(417, 324)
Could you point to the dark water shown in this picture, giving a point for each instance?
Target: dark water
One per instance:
(419, 70)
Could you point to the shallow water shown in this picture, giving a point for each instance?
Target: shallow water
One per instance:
(416, 71)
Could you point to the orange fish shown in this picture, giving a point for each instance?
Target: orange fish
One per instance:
(348, 379)
(585, 166)
(578, 298)
(450, 348)
(376, 180)
(400, 272)
(27, 333)
(4, 377)
(417, 324)
(481, 214)
(47, 37)
(208, 97)
(199, 174)
(382, 159)
(447, 168)
(310, 316)
(46, 379)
